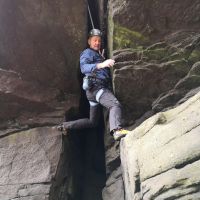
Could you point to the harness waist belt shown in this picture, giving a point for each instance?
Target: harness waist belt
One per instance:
(99, 80)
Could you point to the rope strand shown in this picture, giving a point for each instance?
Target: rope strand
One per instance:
(90, 17)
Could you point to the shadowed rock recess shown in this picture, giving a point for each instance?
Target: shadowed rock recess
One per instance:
(156, 45)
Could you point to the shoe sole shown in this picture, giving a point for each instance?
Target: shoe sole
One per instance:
(119, 137)
(65, 132)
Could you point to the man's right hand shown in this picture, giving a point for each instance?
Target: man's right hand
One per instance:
(106, 63)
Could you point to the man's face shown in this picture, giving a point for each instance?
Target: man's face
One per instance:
(95, 42)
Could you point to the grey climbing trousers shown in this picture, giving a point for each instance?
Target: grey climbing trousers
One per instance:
(96, 98)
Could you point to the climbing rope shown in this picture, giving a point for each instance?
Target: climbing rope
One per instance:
(90, 17)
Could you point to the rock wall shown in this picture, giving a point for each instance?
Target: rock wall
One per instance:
(28, 163)
(40, 43)
(156, 46)
(160, 158)
(138, 22)
(152, 61)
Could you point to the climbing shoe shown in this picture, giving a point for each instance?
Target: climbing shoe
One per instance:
(120, 133)
(62, 129)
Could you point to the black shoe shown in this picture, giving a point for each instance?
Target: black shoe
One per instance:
(62, 129)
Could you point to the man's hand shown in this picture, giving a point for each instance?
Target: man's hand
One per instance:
(106, 63)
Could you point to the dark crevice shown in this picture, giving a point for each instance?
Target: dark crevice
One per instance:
(137, 186)
(92, 140)
(178, 166)
(182, 165)
(81, 174)
(194, 187)
(94, 175)
(14, 130)
(188, 131)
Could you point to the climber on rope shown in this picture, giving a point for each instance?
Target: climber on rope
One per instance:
(97, 84)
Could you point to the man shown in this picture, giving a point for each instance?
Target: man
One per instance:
(97, 84)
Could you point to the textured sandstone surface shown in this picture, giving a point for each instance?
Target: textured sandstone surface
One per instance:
(160, 158)
(28, 163)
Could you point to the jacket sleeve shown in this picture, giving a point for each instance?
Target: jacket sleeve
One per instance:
(86, 63)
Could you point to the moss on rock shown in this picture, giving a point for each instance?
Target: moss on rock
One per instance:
(194, 56)
(156, 54)
(127, 38)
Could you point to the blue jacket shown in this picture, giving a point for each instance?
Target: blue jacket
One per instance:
(88, 61)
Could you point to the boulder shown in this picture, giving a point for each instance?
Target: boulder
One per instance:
(160, 158)
(28, 163)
